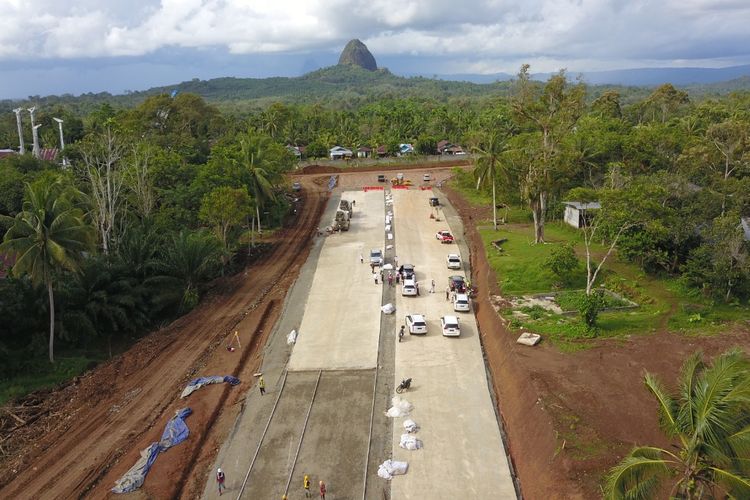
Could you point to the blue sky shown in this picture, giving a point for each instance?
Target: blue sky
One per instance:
(78, 46)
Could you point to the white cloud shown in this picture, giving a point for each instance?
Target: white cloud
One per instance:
(475, 34)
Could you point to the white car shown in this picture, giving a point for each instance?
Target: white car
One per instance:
(461, 302)
(416, 324)
(454, 261)
(376, 257)
(449, 325)
(409, 287)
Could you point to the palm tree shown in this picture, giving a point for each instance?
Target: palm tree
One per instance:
(711, 419)
(48, 235)
(189, 260)
(259, 180)
(488, 163)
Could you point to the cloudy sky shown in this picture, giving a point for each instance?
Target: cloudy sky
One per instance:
(77, 46)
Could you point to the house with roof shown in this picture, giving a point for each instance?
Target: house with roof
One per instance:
(364, 152)
(340, 153)
(382, 151)
(448, 148)
(294, 150)
(405, 149)
(578, 214)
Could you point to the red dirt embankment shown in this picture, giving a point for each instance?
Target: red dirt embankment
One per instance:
(91, 431)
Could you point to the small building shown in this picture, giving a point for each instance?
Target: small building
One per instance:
(340, 153)
(447, 148)
(577, 213)
(405, 149)
(294, 150)
(382, 151)
(364, 152)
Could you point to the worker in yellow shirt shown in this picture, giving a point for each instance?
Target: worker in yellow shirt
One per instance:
(306, 484)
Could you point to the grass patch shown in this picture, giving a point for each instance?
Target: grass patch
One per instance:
(569, 300)
(664, 303)
(45, 375)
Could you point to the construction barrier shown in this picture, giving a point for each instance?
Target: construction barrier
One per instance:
(426, 188)
(372, 188)
(399, 187)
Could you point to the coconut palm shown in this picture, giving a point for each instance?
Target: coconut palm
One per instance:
(48, 235)
(710, 420)
(259, 177)
(488, 162)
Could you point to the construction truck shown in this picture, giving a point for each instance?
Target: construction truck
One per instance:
(346, 206)
(400, 181)
(341, 221)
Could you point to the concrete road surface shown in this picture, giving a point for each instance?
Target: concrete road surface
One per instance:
(463, 454)
(341, 324)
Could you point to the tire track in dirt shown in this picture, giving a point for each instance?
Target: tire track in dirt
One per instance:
(114, 407)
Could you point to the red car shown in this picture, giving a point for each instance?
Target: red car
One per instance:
(444, 236)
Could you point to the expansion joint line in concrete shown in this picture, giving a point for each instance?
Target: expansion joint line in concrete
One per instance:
(262, 437)
(372, 419)
(302, 436)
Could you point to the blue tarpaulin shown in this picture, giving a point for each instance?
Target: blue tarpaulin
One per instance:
(174, 433)
(199, 382)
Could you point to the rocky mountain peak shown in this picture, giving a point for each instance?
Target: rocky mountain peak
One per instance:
(356, 54)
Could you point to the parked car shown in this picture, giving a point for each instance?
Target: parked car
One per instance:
(416, 324)
(409, 287)
(381, 177)
(407, 271)
(457, 283)
(453, 261)
(434, 202)
(450, 327)
(426, 178)
(461, 302)
(296, 186)
(376, 257)
(444, 236)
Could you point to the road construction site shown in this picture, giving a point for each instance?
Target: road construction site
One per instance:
(323, 413)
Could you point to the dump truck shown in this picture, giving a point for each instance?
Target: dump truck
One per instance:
(346, 206)
(341, 221)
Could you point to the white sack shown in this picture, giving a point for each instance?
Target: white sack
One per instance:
(391, 468)
(292, 337)
(409, 442)
(388, 308)
(410, 425)
(400, 408)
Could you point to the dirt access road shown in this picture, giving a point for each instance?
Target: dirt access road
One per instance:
(94, 429)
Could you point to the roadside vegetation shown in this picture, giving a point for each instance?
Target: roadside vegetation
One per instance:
(171, 192)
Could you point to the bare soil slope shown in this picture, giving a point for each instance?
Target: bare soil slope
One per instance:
(90, 432)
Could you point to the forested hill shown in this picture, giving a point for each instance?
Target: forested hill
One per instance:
(335, 86)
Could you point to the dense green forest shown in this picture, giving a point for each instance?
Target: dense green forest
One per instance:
(162, 193)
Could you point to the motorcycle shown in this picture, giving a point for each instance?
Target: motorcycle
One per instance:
(404, 385)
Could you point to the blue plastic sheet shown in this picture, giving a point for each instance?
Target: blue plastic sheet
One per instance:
(175, 432)
(199, 382)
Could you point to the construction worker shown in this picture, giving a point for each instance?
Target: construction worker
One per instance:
(306, 485)
(322, 490)
(401, 333)
(262, 385)
(220, 478)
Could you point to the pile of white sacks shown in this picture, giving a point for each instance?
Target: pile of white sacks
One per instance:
(401, 408)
